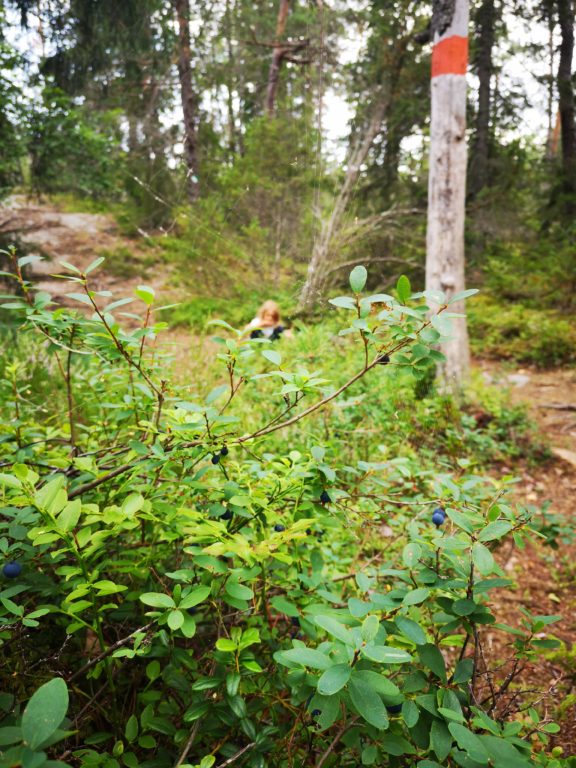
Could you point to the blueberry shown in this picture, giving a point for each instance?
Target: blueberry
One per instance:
(325, 498)
(394, 709)
(224, 451)
(308, 531)
(279, 527)
(12, 570)
(215, 459)
(227, 515)
(383, 360)
(295, 621)
(316, 713)
(438, 516)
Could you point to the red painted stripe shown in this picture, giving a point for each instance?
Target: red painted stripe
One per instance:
(450, 56)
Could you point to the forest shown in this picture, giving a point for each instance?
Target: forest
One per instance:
(287, 383)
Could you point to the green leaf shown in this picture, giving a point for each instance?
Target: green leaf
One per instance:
(81, 297)
(431, 657)
(334, 679)
(464, 607)
(272, 355)
(45, 712)
(358, 278)
(285, 606)
(470, 743)
(334, 628)
(410, 629)
(463, 295)
(10, 735)
(329, 707)
(94, 265)
(157, 600)
(239, 591)
(416, 596)
(228, 646)
(368, 703)
(410, 713)
(175, 620)
(195, 597)
(483, 559)
(131, 729)
(380, 683)
(411, 554)
(386, 654)
(495, 530)
(145, 294)
(68, 518)
(504, 753)
(403, 289)
(463, 671)
(440, 739)
(343, 302)
(370, 627)
(307, 657)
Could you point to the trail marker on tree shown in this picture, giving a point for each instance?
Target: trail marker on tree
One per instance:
(447, 174)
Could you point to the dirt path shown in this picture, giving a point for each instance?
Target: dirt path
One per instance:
(545, 577)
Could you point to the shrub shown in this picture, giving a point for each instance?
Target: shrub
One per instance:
(221, 577)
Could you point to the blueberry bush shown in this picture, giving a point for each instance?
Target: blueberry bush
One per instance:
(263, 570)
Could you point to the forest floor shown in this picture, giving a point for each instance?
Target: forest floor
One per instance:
(546, 577)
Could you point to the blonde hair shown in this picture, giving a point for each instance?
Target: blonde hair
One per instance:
(269, 307)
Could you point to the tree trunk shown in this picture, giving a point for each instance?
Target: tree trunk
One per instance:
(566, 96)
(447, 182)
(317, 269)
(277, 57)
(189, 100)
(231, 80)
(479, 174)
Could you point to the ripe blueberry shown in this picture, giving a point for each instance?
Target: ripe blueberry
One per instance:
(383, 360)
(394, 709)
(215, 459)
(316, 713)
(325, 498)
(224, 451)
(227, 515)
(308, 531)
(279, 527)
(438, 516)
(295, 621)
(12, 570)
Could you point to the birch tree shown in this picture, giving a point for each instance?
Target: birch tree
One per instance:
(447, 175)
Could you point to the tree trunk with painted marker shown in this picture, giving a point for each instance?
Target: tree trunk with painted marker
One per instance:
(447, 181)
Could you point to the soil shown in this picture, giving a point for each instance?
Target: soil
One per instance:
(545, 577)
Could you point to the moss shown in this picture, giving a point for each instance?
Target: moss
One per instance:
(515, 332)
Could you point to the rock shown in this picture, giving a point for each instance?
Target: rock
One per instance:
(565, 455)
(518, 379)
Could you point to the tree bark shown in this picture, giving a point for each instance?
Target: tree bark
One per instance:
(277, 56)
(317, 268)
(447, 183)
(479, 174)
(566, 96)
(189, 100)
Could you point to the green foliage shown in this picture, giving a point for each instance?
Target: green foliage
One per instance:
(191, 624)
(72, 149)
(544, 338)
(11, 117)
